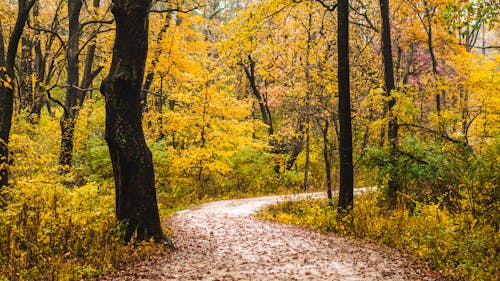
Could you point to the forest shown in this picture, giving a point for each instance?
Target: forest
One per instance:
(118, 117)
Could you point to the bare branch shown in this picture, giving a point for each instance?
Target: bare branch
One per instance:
(41, 29)
(328, 6)
(178, 9)
(438, 133)
(101, 22)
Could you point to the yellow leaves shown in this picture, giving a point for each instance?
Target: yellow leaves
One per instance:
(452, 242)
(6, 81)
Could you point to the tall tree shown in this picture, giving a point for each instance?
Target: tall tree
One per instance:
(75, 94)
(392, 130)
(73, 76)
(136, 203)
(7, 63)
(345, 138)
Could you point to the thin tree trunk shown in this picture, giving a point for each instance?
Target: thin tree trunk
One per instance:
(297, 144)
(263, 106)
(433, 57)
(25, 74)
(68, 119)
(406, 73)
(39, 70)
(392, 128)
(7, 64)
(75, 95)
(344, 108)
(326, 158)
(308, 104)
(306, 167)
(131, 158)
(156, 58)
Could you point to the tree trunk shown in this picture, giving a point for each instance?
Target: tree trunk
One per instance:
(68, 119)
(6, 107)
(156, 59)
(406, 73)
(433, 57)
(25, 74)
(7, 64)
(344, 108)
(75, 95)
(39, 70)
(297, 145)
(306, 166)
(326, 158)
(263, 106)
(308, 103)
(131, 158)
(392, 128)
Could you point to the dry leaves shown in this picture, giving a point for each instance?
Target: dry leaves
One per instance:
(222, 241)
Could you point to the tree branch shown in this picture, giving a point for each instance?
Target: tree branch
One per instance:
(46, 31)
(432, 131)
(102, 22)
(328, 6)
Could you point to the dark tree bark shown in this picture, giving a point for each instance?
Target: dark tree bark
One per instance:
(75, 95)
(406, 73)
(25, 74)
(297, 145)
(263, 106)
(39, 71)
(131, 158)
(307, 107)
(344, 108)
(305, 184)
(392, 128)
(327, 159)
(45, 61)
(68, 118)
(430, 15)
(7, 64)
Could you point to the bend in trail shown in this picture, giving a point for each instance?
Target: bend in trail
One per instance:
(222, 241)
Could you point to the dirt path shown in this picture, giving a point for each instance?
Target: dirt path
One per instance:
(222, 241)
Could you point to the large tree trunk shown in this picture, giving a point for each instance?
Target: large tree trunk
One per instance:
(131, 158)
(345, 138)
(392, 130)
(7, 93)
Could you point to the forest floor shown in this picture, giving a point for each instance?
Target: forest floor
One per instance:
(223, 241)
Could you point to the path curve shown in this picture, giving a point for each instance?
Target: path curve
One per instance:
(222, 241)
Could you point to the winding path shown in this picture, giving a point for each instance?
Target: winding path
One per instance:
(222, 241)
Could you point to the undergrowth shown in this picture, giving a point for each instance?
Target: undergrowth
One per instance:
(455, 244)
(56, 226)
(62, 226)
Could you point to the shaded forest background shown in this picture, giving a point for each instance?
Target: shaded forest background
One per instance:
(240, 99)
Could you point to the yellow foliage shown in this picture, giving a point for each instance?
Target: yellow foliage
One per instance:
(453, 243)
